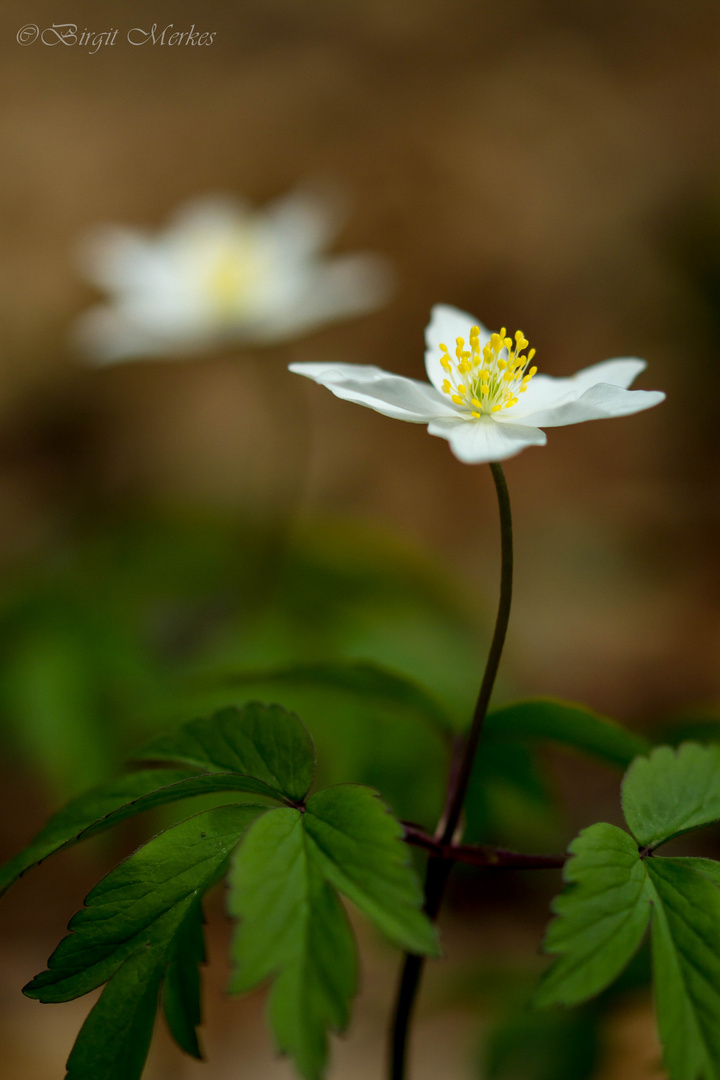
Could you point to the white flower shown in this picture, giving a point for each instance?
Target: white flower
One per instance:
(221, 273)
(483, 396)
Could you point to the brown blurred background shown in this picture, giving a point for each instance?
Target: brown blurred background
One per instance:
(548, 165)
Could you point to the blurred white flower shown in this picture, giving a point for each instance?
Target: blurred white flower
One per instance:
(484, 397)
(220, 273)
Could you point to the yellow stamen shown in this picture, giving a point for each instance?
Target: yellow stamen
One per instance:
(494, 374)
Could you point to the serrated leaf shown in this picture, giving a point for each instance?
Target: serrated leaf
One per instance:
(360, 845)
(686, 961)
(613, 893)
(261, 741)
(181, 985)
(113, 1042)
(132, 905)
(170, 786)
(87, 815)
(362, 679)
(671, 792)
(574, 726)
(601, 916)
(283, 888)
(294, 928)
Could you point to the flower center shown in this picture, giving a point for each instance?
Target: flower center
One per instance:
(489, 379)
(229, 279)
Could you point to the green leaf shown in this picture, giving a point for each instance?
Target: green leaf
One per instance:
(686, 961)
(601, 916)
(133, 904)
(264, 742)
(613, 893)
(369, 682)
(113, 1042)
(294, 928)
(181, 988)
(571, 725)
(284, 879)
(671, 792)
(69, 826)
(362, 853)
(87, 815)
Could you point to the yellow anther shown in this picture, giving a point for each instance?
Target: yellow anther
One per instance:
(493, 378)
(443, 348)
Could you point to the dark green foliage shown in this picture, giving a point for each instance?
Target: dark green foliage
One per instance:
(263, 742)
(181, 986)
(293, 927)
(89, 814)
(570, 725)
(672, 792)
(617, 887)
(134, 904)
(372, 683)
(141, 932)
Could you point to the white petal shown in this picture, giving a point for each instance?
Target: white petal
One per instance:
(304, 221)
(391, 395)
(599, 402)
(304, 297)
(106, 334)
(113, 257)
(545, 393)
(475, 441)
(208, 214)
(446, 324)
(619, 372)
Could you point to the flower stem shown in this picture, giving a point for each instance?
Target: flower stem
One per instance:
(438, 868)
